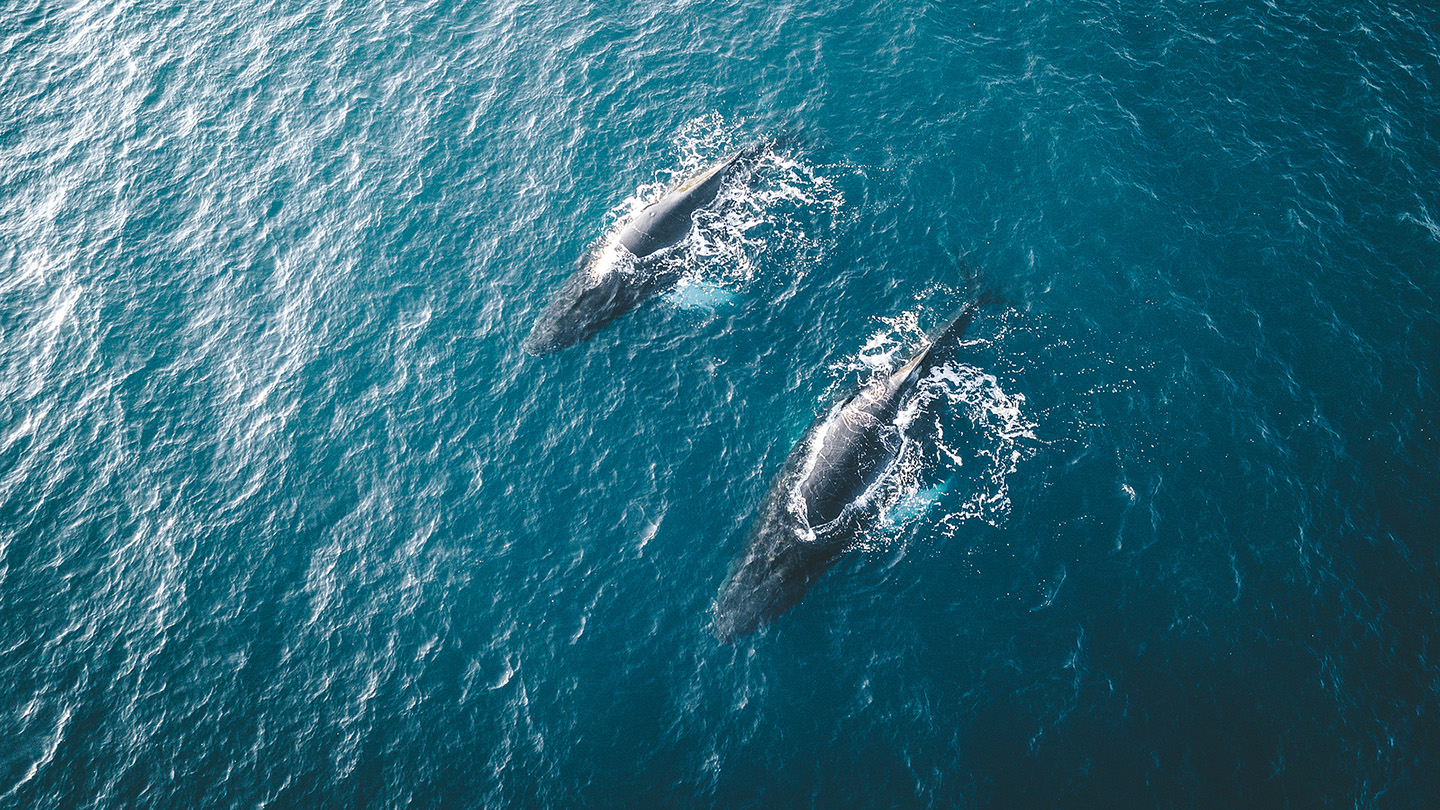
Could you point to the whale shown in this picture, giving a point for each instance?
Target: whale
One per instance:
(628, 266)
(827, 494)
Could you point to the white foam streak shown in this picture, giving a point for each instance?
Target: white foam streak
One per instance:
(752, 223)
(982, 434)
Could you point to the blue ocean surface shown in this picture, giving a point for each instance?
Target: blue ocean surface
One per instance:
(288, 518)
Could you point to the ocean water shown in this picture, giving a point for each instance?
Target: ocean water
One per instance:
(288, 519)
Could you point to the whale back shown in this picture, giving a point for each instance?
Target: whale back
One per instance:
(853, 450)
(831, 469)
(666, 221)
(609, 280)
(862, 438)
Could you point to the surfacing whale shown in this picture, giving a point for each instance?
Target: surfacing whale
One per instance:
(824, 497)
(628, 266)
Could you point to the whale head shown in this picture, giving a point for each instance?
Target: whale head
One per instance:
(782, 560)
(605, 287)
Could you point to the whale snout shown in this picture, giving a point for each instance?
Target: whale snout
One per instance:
(776, 571)
(550, 335)
(559, 328)
(735, 614)
(584, 305)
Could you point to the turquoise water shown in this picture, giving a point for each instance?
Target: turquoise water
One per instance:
(288, 519)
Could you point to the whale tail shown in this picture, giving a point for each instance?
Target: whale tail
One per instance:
(946, 340)
(943, 342)
(747, 156)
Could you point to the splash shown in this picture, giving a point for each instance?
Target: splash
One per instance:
(699, 294)
(995, 429)
(967, 437)
(779, 217)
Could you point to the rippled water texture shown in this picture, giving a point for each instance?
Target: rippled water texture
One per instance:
(288, 519)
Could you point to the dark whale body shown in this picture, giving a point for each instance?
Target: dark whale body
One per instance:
(620, 272)
(823, 498)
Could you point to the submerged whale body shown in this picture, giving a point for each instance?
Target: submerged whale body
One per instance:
(823, 498)
(625, 269)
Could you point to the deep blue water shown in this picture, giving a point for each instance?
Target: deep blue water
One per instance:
(288, 519)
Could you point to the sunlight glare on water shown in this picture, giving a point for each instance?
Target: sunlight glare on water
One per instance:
(288, 518)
